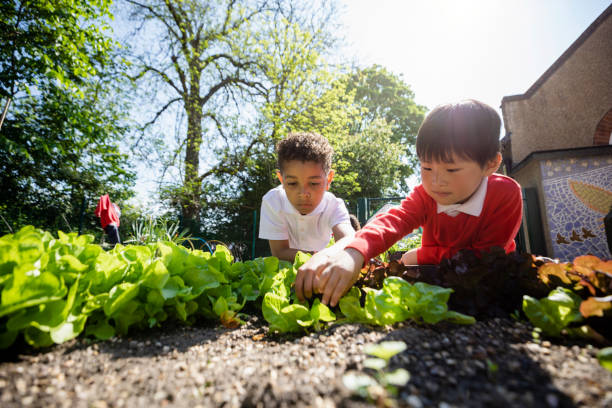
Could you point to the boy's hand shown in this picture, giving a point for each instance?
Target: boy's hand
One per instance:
(307, 274)
(410, 257)
(305, 279)
(330, 273)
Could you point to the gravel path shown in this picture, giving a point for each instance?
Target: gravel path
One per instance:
(213, 366)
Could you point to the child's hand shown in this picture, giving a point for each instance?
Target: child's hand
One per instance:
(306, 275)
(410, 257)
(331, 274)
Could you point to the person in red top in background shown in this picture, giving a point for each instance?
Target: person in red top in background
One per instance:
(460, 204)
(109, 214)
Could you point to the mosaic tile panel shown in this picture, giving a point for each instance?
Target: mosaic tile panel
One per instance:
(578, 194)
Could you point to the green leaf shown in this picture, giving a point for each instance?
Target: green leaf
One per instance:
(458, 318)
(48, 314)
(130, 314)
(350, 306)
(28, 287)
(385, 349)
(94, 303)
(374, 363)
(7, 338)
(399, 377)
(156, 275)
(320, 311)
(73, 326)
(553, 313)
(37, 338)
(358, 383)
(108, 270)
(220, 306)
(203, 277)
(604, 356)
(175, 287)
(119, 296)
(281, 319)
(101, 330)
(300, 259)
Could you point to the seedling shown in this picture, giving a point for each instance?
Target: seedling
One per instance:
(605, 358)
(492, 368)
(383, 384)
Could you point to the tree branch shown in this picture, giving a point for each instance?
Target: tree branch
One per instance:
(149, 123)
(158, 16)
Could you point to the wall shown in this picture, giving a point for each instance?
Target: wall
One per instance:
(563, 108)
(577, 195)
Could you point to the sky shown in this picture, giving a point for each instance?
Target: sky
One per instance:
(448, 50)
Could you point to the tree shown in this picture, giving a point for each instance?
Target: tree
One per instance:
(59, 39)
(387, 96)
(368, 160)
(60, 141)
(219, 63)
(57, 150)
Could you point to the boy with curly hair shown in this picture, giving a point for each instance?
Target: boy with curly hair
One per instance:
(300, 214)
(460, 204)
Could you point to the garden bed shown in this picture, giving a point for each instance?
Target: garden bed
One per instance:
(494, 362)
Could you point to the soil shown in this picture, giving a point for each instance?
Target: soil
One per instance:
(494, 363)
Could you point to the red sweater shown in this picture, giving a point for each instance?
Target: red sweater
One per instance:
(443, 235)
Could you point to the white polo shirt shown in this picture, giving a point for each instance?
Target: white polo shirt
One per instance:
(279, 220)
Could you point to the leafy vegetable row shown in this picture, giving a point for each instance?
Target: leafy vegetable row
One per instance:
(396, 301)
(53, 289)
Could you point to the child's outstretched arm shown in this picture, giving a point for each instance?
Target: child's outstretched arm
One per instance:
(281, 250)
(342, 231)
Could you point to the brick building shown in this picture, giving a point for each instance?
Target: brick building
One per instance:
(558, 146)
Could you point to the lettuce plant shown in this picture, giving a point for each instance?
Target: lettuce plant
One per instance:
(383, 384)
(53, 289)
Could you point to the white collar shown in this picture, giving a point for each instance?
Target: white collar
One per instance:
(473, 206)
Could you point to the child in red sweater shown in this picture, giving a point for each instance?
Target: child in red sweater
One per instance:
(461, 203)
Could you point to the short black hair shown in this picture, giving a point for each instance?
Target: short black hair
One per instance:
(305, 146)
(469, 129)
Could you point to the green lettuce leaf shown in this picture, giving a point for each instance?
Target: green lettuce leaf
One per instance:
(555, 312)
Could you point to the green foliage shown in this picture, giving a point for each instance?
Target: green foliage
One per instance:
(399, 300)
(403, 245)
(383, 384)
(385, 96)
(330, 108)
(581, 304)
(57, 149)
(150, 230)
(555, 312)
(281, 308)
(59, 144)
(226, 62)
(61, 40)
(53, 289)
(604, 356)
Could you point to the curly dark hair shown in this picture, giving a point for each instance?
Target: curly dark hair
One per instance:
(305, 146)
